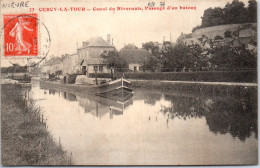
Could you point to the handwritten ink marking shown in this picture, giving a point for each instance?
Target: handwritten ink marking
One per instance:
(22, 4)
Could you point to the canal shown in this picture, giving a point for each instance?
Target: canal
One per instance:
(153, 127)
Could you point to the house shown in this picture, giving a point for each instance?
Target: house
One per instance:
(55, 65)
(89, 55)
(70, 64)
(52, 66)
(135, 58)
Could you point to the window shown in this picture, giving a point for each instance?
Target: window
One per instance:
(101, 68)
(134, 68)
(95, 68)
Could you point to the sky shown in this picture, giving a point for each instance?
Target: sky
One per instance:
(69, 29)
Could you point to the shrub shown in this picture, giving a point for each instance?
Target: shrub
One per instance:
(100, 75)
(209, 76)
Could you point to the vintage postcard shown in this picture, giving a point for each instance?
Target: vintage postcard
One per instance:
(128, 82)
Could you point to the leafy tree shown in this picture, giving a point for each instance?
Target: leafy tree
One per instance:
(180, 57)
(152, 48)
(233, 58)
(235, 12)
(152, 65)
(212, 17)
(112, 60)
(218, 38)
(195, 28)
(130, 46)
(228, 34)
(252, 11)
(232, 13)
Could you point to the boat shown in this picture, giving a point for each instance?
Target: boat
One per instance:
(119, 89)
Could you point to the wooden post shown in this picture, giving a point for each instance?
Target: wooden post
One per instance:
(96, 76)
(112, 76)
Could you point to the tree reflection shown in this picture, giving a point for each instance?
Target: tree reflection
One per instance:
(235, 116)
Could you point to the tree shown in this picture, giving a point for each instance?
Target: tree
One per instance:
(235, 13)
(233, 58)
(130, 46)
(212, 17)
(180, 57)
(152, 65)
(195, 28)
(112, 60)
(252, 11)
(152, 48)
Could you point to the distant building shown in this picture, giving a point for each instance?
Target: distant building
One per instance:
(89, 55)
(70, 64)
(135, 58)
(52, 66)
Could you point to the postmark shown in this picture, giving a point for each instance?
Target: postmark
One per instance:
(21, 35)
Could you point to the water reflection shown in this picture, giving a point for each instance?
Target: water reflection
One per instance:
(153, 127)
(237, 117)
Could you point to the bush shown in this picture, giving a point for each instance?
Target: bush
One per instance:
(209, 76)
(100, 75)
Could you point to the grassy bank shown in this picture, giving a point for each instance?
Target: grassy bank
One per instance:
(25, 138)
(249, 76)
(210, 89)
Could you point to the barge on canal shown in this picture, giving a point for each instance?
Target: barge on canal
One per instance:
(119, 89)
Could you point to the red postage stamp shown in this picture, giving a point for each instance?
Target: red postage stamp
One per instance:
(20, 35)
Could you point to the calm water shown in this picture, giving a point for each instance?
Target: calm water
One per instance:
(153, 127)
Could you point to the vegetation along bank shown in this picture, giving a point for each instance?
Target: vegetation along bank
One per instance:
(25, 138)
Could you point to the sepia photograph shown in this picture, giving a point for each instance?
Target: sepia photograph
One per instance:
(129, 82)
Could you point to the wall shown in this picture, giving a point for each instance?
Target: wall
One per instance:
(46, 69)
(92, 52)
(70, 64)
(212, 32)
(90, 69)
(131, 66)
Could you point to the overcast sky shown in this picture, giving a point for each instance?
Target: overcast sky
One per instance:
(69, 28)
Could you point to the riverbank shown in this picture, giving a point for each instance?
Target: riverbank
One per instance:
(25, 138)
(209, 88)
(215, 89)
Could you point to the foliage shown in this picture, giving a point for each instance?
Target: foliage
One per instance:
(152, 65)
(24, 130)
(232, 13)
(195, 28)
(252, 11)
(228, 34)
(212, 17)
(14, 69)
(235, 13)
(233, 58)
(112, 60)
(180, 57)
(152, 48)
(130, 46)
(203, 76)
(218, 38)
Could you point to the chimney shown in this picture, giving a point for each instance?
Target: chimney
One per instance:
(112, 41)
(108, 38)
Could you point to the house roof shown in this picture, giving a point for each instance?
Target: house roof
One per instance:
(53, 61)
(95, 42)
(135, 55)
